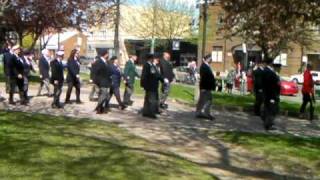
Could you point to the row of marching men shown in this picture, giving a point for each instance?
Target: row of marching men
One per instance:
(106, 76)
(17, 67)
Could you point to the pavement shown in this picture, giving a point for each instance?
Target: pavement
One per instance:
(177, 131)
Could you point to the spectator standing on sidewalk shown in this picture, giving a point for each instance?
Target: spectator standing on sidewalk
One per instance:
(308, 92)
(243, 83)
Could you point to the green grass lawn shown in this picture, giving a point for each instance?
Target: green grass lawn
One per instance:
(295, 154)
(45, 147)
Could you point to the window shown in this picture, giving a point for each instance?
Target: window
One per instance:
(281, 59)
(217, 54)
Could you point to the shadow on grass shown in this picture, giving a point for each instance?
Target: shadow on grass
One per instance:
(39, 146)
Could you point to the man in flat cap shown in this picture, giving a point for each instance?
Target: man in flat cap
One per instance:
(57, 78)
(103, 79)
(150, 79)
(16, 72)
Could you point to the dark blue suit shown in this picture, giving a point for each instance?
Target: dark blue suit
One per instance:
(73, 67)
(57, 75)
(44, 68)
(116, 82)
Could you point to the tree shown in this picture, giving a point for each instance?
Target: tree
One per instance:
(271, 24)
(162, 19)
(35, 17)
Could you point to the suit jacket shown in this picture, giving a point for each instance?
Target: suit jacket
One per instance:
(103, 74)
(258, 79)
(44, 68)
(150, 77)
(73, 67)
(28, 67)
(7, 57)
(166, 69)
(56, 72)
(116, 76)
(271, 85)
(16, 67)
(130, 72)
(207, 80)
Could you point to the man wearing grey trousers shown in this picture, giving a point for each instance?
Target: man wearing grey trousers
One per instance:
(207, 85)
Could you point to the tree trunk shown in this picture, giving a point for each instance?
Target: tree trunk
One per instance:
(116, 31)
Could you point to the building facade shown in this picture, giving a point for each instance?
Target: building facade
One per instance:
(228, 53)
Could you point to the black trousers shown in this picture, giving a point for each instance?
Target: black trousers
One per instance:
(307, 99)
(151, 103)
(69, 91)
(258, 102)
(128, 93)
(16, 82)
(56, 94)
(270, 111)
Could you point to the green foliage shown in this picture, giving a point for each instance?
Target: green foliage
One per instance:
(271, 24)
(37, 146)
(27, 41)
(299, 155)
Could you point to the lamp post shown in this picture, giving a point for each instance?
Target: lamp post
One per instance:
(203, 46)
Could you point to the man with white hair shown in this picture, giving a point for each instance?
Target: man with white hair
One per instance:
(16, 72)
(44, 68)
(57, 78)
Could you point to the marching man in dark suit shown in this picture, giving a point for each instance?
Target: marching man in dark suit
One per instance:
(73, 76)
(116, 81)
(207, 85)
(271, 89)
(150, 83)
(130, 74)
(258, 87)
(44, 68)
(7, 57)
(166, 69)
(103, 78)
(16, 71)
(28, 67)
(57, 78)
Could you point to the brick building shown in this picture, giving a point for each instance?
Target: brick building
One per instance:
(227, 53)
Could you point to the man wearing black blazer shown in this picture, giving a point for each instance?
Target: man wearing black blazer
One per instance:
(271, 90)
(57, 78)
(16, 71)
(73, 76)
(28, 67)
(44, 68)
(103, 79)
(207, 85)
(150, 79)
(7, 57)
(166, 69)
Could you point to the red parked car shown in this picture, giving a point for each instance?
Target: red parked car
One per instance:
(288, 88)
